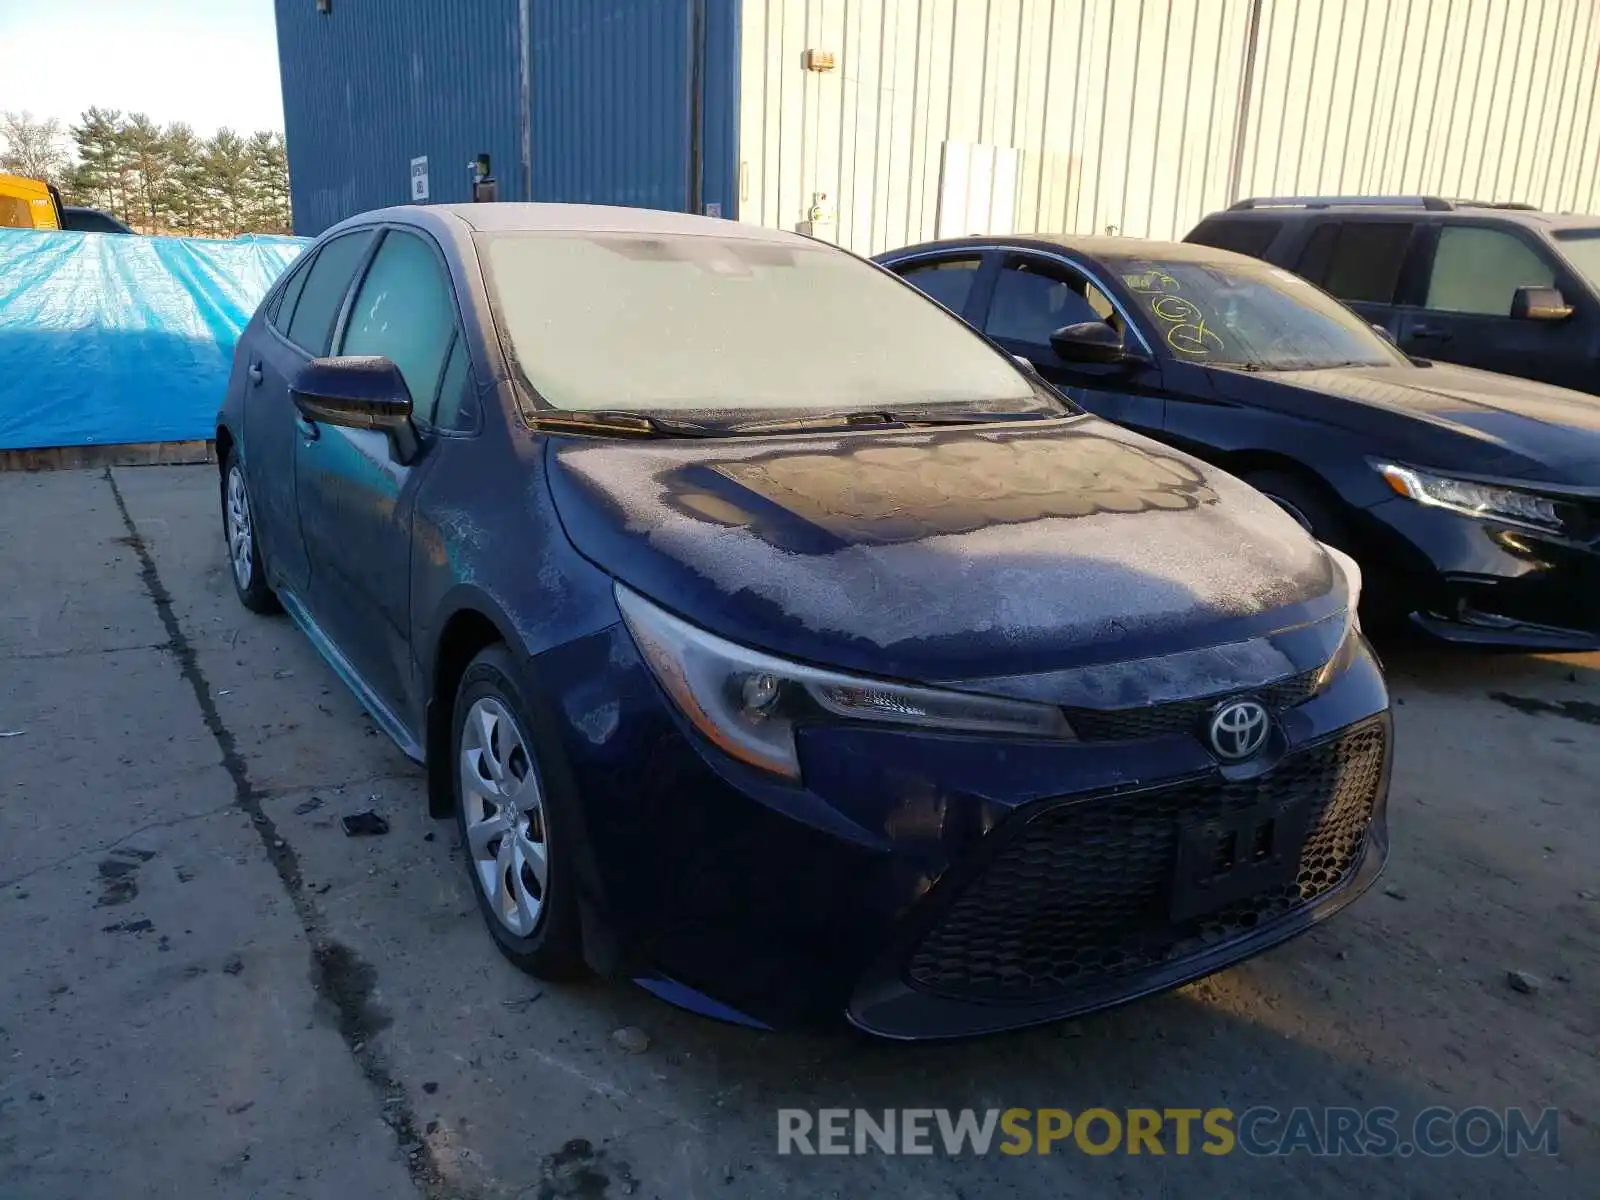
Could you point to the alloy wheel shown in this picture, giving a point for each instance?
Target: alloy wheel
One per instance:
(503, 804)
(241, 533)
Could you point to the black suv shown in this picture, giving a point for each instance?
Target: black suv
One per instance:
(1502, 287)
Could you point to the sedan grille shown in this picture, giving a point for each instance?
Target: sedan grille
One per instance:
(1084, 889)
(1181, 716)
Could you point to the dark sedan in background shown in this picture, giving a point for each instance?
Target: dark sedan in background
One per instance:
(1472, 500)
(777, 641)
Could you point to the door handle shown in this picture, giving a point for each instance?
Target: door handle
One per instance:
(255, 373)
(1431, 333)
(308, 429)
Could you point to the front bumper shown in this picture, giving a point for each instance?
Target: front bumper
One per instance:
(759, 900)
(1068, 914)
(1476, 582)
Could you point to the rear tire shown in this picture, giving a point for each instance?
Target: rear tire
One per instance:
(514, 819)
(245, 565)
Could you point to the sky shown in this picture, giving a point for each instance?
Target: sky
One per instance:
(208, 62)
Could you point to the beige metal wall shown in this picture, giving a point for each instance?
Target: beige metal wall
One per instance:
(1126, 113)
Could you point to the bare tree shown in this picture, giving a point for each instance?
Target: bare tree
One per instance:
(32, 148)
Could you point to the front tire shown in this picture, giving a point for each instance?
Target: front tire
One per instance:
(244, 551)
(518, 848)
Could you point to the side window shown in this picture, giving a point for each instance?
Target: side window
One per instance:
(1033, 301)
(949, 281)
(1358, 261)
(405, 311)
(311, 325)
(1476, 270)
(284, 312)
(1243, 235)
(1101, 305)
(453, 386)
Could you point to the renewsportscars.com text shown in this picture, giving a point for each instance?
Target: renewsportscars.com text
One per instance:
(1258, 1131)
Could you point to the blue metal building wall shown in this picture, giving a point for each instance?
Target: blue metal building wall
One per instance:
(369, 86)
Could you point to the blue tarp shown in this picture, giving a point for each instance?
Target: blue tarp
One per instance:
(106, 338)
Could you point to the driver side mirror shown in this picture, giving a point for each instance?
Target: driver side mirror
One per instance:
(359, 392)
(1092, 342)
(1539, 304)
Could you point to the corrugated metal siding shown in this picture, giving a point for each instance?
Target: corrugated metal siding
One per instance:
(1487, 99)
(1125, 112)
(371, 86)
(368, 87)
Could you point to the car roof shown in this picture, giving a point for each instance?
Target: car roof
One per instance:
(1088, 245)
(1278, 208)
(510, 217)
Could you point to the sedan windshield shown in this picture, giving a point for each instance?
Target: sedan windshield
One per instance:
(1249, 314)
(1582, 249)
(659, 323)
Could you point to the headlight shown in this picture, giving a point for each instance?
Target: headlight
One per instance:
(1346, 653)
(748, 703)
(1474, 499)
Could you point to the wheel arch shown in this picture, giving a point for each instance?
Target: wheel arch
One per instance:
(1244, 463)
(472, 624)
(224, 443)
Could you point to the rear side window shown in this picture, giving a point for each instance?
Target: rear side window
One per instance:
(406, 312)
(949, 281)
(1242, 235)
(283, 312)
(311, 326)
(1358, 261)
(1477, 270)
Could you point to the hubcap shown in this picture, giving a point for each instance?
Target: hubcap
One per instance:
(241, 541)
(504, 808)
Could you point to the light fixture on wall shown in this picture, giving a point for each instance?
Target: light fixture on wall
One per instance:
(818, 60)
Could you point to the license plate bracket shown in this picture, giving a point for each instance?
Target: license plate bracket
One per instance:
(1238, 855)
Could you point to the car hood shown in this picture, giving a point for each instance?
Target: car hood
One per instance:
(975, 551)
(1516, 426)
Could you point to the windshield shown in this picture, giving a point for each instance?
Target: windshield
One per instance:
(1582, 249)
(678, 323)
(1250, 314)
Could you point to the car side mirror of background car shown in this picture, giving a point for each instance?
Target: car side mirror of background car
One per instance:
(359, 392)
(1092, 342)
(1539, 304)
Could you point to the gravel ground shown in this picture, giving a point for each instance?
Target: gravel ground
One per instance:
(207, 989)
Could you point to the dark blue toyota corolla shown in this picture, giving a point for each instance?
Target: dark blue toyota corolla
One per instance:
(778, 641)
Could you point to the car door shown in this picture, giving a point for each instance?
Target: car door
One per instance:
(1033, 296)
(297, 329)
(1362, 262)
(355, 499)
(1464, 313)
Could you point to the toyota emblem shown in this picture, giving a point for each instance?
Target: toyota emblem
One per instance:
(1238, 729)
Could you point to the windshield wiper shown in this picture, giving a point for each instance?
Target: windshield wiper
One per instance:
(885, 418)
(618, 423)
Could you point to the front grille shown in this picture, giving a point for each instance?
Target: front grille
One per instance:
(1083, 890)
(1181, 716)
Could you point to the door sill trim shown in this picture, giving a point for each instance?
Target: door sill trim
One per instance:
(380, 713)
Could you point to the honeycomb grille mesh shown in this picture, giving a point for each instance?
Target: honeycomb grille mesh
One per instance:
(1083, 890)
(1181, 716)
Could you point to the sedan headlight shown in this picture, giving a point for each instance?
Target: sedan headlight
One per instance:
(748, 703)
(1351, 644)
(1514, 507)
